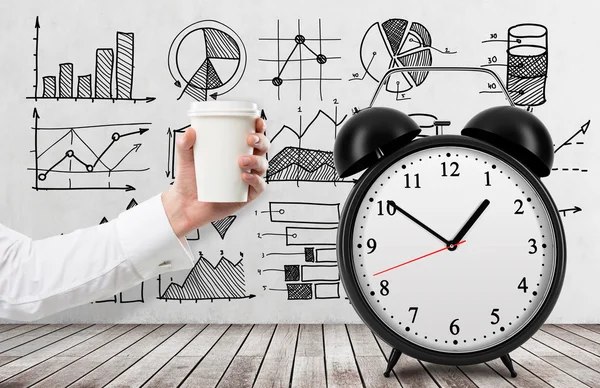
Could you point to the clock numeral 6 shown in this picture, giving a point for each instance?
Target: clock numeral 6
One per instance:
(384, 288)
(371, 244)
(454, 329)
(415, 309)
(523, 285)
(454, 173)
(408, 186)
(519, 209)
(494, 311)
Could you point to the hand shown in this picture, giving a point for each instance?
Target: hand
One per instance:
(184, 211)
(470, 222)
(422, 225)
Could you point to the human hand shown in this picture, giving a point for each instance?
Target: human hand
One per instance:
(184, 211)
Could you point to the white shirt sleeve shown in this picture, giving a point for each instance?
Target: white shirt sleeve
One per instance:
(42, 277)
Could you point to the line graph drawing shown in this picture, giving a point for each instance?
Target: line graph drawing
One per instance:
(206, 58)
(304, 53)
(223, 281)
(580, 133)
(104, 76)
(63, 155)
(299, 163)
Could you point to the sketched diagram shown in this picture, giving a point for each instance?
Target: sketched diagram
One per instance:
(301, 58)
(134, 294)
(224, 281)
(113, 66)
(73, 157)
(299, 162)
(314, 242)
(575, 140)
(207, 58)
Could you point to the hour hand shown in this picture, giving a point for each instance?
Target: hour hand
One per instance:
(471, 221)
(422, 225)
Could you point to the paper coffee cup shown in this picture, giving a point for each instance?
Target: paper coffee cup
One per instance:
(221, 131)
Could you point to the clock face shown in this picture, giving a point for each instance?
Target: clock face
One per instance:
(453, 249)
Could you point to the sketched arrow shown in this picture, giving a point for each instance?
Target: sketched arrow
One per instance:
(582, 131)
(262, 114)
(575, 209)
(168, 172)
(140, 131)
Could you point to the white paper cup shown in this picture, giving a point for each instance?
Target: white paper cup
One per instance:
(221, 130)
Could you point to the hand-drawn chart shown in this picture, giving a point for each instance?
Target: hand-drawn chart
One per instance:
(133, 295)
(224, 281)
(96, 88)
(574, 140)
(302, 57)
(299, 162)
(69, 158)
(206, 58)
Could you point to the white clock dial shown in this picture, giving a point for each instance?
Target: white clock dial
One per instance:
(461, 298)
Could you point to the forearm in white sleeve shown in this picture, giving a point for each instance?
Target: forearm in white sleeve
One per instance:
(42, 277)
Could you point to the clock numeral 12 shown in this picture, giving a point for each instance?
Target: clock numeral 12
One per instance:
(454, 173)
(407, 176)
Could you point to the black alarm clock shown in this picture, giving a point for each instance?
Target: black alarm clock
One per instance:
(449, 247)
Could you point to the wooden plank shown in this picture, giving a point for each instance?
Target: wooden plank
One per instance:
(212, 367)
(595, 327)
(448, 376)
(579, 371)
(309, 363)
(342, 371)
(524, 379)
(69, 337)
(51, 365)
(568, 349)
(42, 338)
(572, 338)
(242, 371)
(173, 373)
(484, 376)
(90, 362)
(276, 368)
(6, 359)
(18, 331)
(112, 368)
(548, 373)
(8, 326)
(582, 331)
(144, 369)
(369, 358)
(409, 371)
(27, 336)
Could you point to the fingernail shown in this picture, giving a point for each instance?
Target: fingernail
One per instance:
(256, 139)
(246, 160)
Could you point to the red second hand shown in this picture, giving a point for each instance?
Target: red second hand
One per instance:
(418, 258)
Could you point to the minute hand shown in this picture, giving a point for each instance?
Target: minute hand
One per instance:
(461, 233)
(422, 225)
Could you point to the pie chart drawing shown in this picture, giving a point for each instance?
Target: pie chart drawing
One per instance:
(396, 43)
(207, 58)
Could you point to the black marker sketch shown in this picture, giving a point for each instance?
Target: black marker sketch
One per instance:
(582, 131)
(134, 294)
(223, 281)
(573, 210)
(327, 290)
(428, 122)
(106, 61)
(306, 60)
(297, 291)
(311, 255)
(170, 171)
(570, 169)
(223, 225)
(310, 236)
(62, 155)
(214, 71)
(194, 236)
(394, 44)
(303, 164)
(304, 212)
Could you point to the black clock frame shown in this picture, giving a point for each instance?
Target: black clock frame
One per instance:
(351, 284)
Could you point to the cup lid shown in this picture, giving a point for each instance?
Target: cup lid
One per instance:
(223, 106)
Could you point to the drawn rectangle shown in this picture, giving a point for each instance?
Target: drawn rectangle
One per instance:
(304, 212)
(299, 291)
(326, 255)
(291, 273)
(310, 236)
(65, 80)
(124, 69)
(104, 66)
(322, 273)
(84, 86)
(327, 290)
(49, 86)
(309, 255)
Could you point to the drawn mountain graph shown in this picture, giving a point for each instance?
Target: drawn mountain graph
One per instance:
(225, 280)
(299, 164)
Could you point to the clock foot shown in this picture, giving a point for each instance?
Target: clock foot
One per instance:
(507, 361)
(392, 360)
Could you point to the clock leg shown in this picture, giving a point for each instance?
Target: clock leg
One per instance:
(392, 360)
(507, 361)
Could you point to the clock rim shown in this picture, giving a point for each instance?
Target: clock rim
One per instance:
(371, 318)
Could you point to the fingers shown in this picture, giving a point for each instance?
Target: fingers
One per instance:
(257, 164)
(261, 125)
(260, 143)
(184, 146)
(256, 182)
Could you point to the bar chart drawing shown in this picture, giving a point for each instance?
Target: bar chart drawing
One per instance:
(89, 157)
(112, 67)
(207, 58)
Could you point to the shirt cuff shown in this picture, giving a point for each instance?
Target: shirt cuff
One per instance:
(149, 242)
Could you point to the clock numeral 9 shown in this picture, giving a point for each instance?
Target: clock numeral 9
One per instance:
(454, 173)
(408, 186)
(384, 288)
(533, 246)
(520, 203)
(391, 210)
(454, 329)
(494, 311)
(415, 309)
(523, 285)
(372, 245)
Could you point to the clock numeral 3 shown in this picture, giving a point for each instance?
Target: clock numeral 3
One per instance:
(454, 173)
(523, 285)
(384, 288)
(533, 246)
(415, 309)
(391, 210)
(520, 203)
(371, 244)
(408, 186)
(494, 311)
(454, 329)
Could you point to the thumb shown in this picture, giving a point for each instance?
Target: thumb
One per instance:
(185, 150)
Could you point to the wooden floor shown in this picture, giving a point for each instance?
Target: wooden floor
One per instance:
(240, 356)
